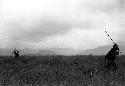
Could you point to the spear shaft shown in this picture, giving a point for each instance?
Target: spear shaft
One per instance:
(109, 36)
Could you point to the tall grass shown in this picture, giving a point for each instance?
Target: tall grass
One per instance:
(60, 71)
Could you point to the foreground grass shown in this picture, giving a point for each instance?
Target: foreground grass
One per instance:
(60, 71)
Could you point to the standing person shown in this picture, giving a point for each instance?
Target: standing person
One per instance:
(111, 56)
(16, 52)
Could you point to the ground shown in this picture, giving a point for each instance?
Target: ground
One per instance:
(60, 71)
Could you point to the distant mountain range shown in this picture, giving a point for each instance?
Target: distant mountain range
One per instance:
(101, 50)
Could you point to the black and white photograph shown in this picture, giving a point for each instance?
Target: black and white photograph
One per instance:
(62, 42)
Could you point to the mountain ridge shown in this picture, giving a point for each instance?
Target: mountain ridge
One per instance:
(101, 50)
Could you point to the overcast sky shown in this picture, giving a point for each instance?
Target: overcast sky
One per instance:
(78, 24)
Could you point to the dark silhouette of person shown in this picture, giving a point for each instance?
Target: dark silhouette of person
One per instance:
(16, 52)
(111, 56)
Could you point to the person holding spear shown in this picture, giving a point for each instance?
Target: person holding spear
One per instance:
(111, 55)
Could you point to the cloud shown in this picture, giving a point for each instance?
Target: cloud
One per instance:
(37, 30)
(77, 39)
(31, 21)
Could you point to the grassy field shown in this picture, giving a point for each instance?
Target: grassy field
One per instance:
(60, 71)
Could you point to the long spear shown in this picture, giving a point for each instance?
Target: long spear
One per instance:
(109, 36)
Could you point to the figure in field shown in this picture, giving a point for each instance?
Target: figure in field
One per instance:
(111, 56)
(16, 53)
